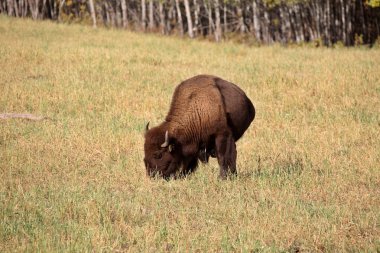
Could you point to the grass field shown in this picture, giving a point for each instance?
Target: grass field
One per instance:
(308, 167)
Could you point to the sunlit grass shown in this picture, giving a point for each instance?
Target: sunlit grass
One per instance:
(308, 167)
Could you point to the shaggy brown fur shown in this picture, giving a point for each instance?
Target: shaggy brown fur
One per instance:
(199, 118)
(240, 113)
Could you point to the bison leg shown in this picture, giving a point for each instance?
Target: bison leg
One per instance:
(206, 150)
(189, 166)
(203, 155)
(226, 154)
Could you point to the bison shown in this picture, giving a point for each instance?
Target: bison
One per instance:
(207, 116)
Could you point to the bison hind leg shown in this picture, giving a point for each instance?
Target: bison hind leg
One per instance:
(226, 154)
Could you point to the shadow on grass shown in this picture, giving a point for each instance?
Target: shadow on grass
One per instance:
(290, 166)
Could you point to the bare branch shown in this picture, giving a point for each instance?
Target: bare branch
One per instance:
(27, 116)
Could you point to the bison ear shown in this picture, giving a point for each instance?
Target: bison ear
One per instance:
(166, 143)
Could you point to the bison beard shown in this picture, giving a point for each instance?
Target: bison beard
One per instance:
(206, 117)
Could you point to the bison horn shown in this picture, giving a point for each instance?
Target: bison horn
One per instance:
(166, 143)
(147, 127)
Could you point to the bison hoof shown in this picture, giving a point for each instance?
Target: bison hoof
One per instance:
(224, 175)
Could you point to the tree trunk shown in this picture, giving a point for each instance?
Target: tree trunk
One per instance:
(16, 9)
(108, 17)
(53, 8)
(349, 24)
(218, 29)
(135, 16)
(10, 5)
(267, 35)
(241, 25)
(143, 15)
(1, 7)
(344, 30)
(124, 12)
(256, 20)
(179, 14)
(337, 26)
(20, 8)
(151, 15)
(189, 21)
(43, 9)
(162, 17)
(92, 11)
(310, 24)
(299, 23)
(293, 21)
(208, 8)
(111, 14)
(117, 11)
(171, 16)
(225, 24)
(328, 24)
(196, 17)
(284, 32)
(33, 5)
(362, 19)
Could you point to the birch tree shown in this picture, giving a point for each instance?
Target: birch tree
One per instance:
(189, 20)
(151, 15)
(218, 29)
(124, 13)
(143, 15)
(180, 23)
(92, 12)
(325, 22)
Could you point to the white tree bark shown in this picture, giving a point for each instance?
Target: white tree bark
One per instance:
(349, 23)
(208, 8)
(10, 5)
(225, 25)
(196, 17)
(16, 9)
(151, 15)
(59, 9)
(189, 20)
(124, 13)
(179, 14)
(92, 12)
(266, 33)
(218, 29)
(256, 20)
(162, 17)
(33, 5)
(241, 25)
(143, 15)
(299, 23)
(343, 14)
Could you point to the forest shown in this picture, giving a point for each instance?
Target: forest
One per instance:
(324, 22)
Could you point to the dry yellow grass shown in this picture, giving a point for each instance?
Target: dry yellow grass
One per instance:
(309, 166)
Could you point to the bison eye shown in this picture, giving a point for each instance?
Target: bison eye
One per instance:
(158, 156)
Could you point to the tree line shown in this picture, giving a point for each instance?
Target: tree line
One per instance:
(326, 22)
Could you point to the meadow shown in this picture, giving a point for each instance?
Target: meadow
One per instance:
(308, 167)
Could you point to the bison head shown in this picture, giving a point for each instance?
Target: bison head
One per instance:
(161, 157)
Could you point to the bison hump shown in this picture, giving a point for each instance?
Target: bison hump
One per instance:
(197, 108)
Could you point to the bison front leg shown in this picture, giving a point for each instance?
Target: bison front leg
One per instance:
(189, 166)
(226, 154)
